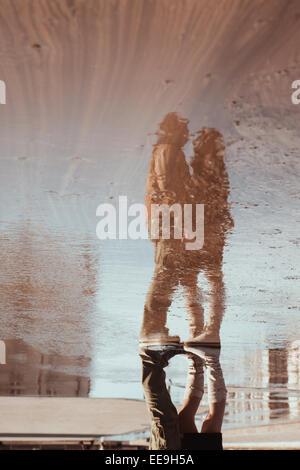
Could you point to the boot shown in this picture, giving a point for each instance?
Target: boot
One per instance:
(159, 340)
(208, 338)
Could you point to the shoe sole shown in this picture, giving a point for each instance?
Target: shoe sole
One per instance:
(158, 343)
(201, 343)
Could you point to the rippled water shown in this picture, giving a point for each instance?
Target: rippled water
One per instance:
(78, 130)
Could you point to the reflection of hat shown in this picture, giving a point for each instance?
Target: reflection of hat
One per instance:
(173, 123)
(208, 152)
(209, 136)
(173, 128)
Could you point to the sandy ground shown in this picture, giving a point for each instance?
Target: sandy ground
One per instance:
(283, 436)
(24, 417)
(76, 416)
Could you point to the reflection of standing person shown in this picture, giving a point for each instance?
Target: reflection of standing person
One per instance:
(168, 183)
(210, 187)
(165, 433)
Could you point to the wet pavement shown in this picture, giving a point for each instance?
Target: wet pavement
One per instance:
(159, 101)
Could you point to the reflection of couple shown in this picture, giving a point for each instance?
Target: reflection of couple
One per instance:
(171, 182)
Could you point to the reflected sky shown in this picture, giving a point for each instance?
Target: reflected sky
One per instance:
(79, 129)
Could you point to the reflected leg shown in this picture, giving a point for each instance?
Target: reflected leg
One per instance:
(216, 301)
(211, 332)
(158, 301)
(193, 302)
(216, 392)
(193, 394)
(164, 418)
(213, 421)
(216, 387)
